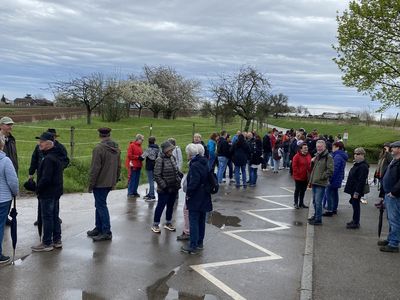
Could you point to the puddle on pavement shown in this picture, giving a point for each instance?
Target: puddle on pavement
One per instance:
(161, 291)
(297, 223)
(219, 220)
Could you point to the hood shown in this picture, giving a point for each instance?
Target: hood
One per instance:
(200, 159)
(110, 146)
(340, 153)
(2, 155)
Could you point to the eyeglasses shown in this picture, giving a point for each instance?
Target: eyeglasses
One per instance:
(357, 153)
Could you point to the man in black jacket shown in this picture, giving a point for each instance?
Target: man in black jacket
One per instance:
(49, 189)
(391, 188)
(267, 151)
(223, 152)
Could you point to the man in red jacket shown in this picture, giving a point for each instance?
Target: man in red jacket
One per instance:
(301, 165)
(133, 163)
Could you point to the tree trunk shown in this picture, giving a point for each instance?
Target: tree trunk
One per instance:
(247, 126)
(155, 114)
(167, 114)
(88, 115)
(140, 112)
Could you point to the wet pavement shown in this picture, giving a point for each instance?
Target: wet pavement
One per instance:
(253, 250)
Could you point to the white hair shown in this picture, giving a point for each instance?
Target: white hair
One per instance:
(321, 142)
(200, 149)
(192, 150)
(2, 141)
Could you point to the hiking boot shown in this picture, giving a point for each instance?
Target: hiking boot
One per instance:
(353, 226)
(93, 232)
(102, 237)
(156, 229)
(57, 244)
(188, 250)
(383, 243)
(42, 248)
(151, 199)
(314, 222)
(183, 237)
(311, 219)
(296, 206)
(327, 214)
(389, 248)
(303, 206)
(170, 227)
(4, 259)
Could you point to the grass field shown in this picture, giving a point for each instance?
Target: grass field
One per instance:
(86, 137)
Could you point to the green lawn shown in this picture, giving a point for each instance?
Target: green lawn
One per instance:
(86, 137)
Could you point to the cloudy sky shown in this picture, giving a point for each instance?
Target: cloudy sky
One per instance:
(289, 40)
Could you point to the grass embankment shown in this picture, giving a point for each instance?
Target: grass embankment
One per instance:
(86, 137)
(369, 137)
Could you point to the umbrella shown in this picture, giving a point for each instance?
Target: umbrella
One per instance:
(13, 215)
(39, 221)
(381, 209)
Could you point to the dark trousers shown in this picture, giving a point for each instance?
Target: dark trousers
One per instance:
(102, 215)
(230, 168)
(49, 209)
(356, 210)
(165, 199)
(133, 181)
(299, 192)
(197, 221)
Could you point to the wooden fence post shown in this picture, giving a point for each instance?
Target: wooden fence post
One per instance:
(395, 120)
(72, 142)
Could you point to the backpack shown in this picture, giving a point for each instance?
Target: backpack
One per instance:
(213, 185)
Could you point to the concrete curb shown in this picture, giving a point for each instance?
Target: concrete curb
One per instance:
(306, 289)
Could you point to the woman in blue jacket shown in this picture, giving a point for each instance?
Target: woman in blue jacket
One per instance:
(198, 198)
(8, 190)
(340, 158)
(212, 149)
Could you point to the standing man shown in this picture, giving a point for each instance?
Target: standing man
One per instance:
(134, 164)
(391, 188)
(322, 171)
(267, 151)
(223, 152)
(104, 174)
(49, 189)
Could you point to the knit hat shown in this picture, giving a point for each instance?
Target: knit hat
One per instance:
(167, 146)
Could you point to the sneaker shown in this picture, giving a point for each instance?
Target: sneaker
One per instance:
(42, 248)
(200, 247)
(170, 227)
(156, 229)
(327, 214)
(183, 237)
(296, 206)
(188, 250)
(57, 244)
(4, 259)
(353, 226)
(311, 219)
(383, 243)
(93, 232)
(151, 199)
(314, 222)
(146, 197)
(389, 248)
(303, 206)
(350, 223)
(102, 237)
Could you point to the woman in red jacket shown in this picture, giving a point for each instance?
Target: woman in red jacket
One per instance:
(301, 165)
(133, 163)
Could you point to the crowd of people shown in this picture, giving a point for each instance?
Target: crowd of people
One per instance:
(314, 161)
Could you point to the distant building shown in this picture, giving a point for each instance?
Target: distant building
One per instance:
(29, 101)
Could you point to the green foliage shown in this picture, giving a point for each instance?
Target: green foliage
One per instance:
(368, 49)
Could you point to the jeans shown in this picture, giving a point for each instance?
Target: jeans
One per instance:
(4, 208)
(102, 215)
(49, 208)
(271, 161)
(299, 192)
(230, 168)
(356, 210)
(318, 195)
(197, 220)
(222, 163)
(150, 178)
(276, 165)
(164, 199)
(286, 160)
(332, 197)
(393, 210)
(266, 158)
(211, 163)
(253, 176)
(241, 169)
(133, 182)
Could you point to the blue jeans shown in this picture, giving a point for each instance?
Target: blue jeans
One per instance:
(393, 211)
(164, 199)
(332, 197)
(253, 176)
(271, 161)
(150, 178)
(133, 181)
(4, 208)
(239, 169)
(211, 163)
(49, 209)
(102, 215)
(276, 164)
(222, 163)
(197, 221)
(318, 195)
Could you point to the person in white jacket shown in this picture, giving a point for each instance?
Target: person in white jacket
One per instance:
(8, 190)
(177, 153)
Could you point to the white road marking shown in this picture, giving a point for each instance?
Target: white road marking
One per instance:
(233, 233)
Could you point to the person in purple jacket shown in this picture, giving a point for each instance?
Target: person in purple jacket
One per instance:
(340, 158)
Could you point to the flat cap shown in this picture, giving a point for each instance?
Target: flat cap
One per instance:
(46, 136)
(104, 131)
(395, 144)
(6, 120)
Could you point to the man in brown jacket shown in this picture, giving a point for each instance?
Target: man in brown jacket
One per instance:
(104, 174)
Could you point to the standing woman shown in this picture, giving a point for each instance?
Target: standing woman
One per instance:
(212, 150)
(355, 185)
(198, 199)
(8, 190)
(301, 166)
(134, 165)
(240, 155)
(255, 158)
